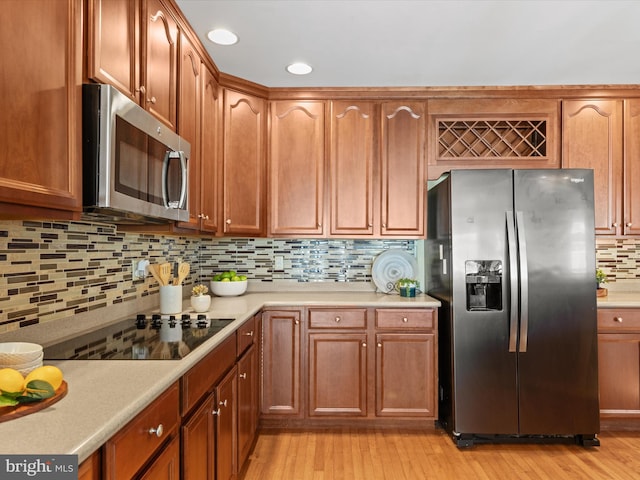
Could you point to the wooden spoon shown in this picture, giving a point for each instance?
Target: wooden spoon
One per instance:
(183, 271)
(165, 273)
(153, 268)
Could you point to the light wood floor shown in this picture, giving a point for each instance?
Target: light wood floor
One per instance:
(392, 454)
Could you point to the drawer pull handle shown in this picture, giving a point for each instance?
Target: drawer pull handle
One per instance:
(337, 319)
(405, 319)
(248, 334)
(617, 319)
(243, 376)
(158, 431)
(223, 403)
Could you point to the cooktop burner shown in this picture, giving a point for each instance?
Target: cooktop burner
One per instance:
(159, 337)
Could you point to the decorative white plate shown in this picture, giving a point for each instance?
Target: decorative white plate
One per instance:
(392, 265)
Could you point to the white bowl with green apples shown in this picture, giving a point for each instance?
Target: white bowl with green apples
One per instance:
(228, 284)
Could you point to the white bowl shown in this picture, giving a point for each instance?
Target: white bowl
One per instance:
(13, 353)
(228, 289)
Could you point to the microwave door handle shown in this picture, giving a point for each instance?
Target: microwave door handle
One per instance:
(165, 172)
(185, 179)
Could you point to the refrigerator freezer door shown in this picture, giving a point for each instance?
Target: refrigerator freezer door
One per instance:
(484, 371)
(558, 388)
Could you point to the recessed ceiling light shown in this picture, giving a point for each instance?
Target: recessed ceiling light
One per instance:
(299, 68)
(222, 36)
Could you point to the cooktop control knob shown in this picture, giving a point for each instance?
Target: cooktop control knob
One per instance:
(156, 321)
(141, 322)
(186, 320)
(172, 321)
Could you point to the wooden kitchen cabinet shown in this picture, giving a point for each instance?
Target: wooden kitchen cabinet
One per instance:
(377, 169)
(248, 402)
(41, 121)
(604, 135)
(226, 397)
(244, 164)
(133, 45)
(281, 364)
(351, 163)
(199, 442)
(147, 434)
(91, 468)
(189, 123)
(619, 362)
(492, 133)
(297, 166)
(406, 349)
(403, 169)
(167, 465)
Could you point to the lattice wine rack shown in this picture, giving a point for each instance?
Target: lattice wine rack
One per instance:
(504, 139)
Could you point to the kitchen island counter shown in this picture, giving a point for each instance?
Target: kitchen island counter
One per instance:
(104, 395)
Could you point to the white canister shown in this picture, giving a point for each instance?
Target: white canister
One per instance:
(171, 299)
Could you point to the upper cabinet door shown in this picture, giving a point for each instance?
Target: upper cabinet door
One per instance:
(113, 44)
(189, 123)
(40, 123)
(244, 164)
(403, 169)
(160, 37)
(351, 167)
(297, 166)
(210, 185)
(632, 167)
(592, 138)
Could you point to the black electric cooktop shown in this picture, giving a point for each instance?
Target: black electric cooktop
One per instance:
(158, 337)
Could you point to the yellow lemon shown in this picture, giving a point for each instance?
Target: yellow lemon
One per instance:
(11, 381)
(48, 373)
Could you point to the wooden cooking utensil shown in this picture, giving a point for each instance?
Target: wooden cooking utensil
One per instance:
(165, 273)
(183, 271)
(153, 268)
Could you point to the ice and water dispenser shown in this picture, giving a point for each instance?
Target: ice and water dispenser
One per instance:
(484, 284)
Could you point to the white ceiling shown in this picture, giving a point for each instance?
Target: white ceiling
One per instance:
(425, 42)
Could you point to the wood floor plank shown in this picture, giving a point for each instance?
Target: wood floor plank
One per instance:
(393, 454)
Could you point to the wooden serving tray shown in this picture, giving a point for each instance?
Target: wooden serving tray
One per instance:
(9, 413)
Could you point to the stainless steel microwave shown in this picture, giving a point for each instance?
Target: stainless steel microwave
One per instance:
(135, 169)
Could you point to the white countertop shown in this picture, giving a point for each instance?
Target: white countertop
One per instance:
(104, 395)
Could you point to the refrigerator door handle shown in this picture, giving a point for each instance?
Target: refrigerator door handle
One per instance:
(524, 282)
(512, 252)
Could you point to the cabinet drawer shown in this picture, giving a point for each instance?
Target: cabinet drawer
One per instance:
(342, 318)
(143, 436)
(246, 335)
(202, 377)
(410, 319)
(618, 319)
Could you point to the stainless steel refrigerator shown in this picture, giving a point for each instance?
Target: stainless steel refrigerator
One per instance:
(511, 256)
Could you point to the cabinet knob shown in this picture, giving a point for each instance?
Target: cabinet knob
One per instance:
(628, 224)
(364, 344)
(617, 319)
(337, 319)
(370, 224)
(215, 412)
(206, 217)
(319, 225)
(379, 345)
(297, 322)
(614, 225)
(384, 225)
(141, 90)
(151, 100)
(223, 403)
(243, 376)
(158, 431)
(228, 222)
(405, 319)
(248, 334)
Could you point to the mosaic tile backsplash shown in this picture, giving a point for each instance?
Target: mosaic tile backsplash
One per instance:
(51, 270)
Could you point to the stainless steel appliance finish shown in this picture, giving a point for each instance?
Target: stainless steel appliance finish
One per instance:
(512, 258)
(135, 169)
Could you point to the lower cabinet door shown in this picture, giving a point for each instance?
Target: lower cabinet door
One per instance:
(405, 374)
(619, 374)
(337, 374)
(248, 384)
(226, 394)
(198, 443)
(167, 465)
